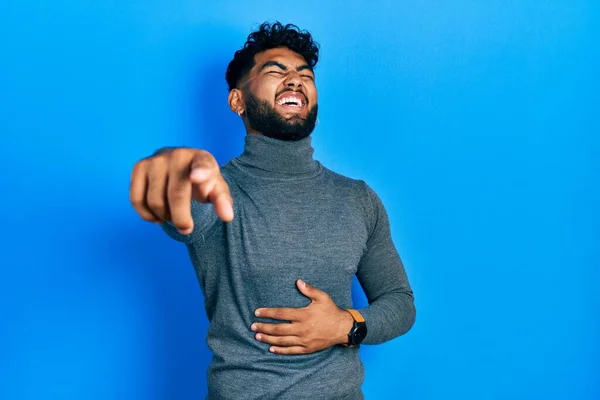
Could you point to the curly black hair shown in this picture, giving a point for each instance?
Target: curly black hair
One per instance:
(271, 36)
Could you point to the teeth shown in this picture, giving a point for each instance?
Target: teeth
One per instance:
(294, 100)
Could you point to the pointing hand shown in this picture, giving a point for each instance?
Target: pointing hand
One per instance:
(163, 186)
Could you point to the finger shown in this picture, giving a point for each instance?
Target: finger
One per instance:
(280, 341)
(209, 185)
(289, 350)
(201, 191)
(222, 200)
(282, 314)
(311, 292)
(137, 192)
(156, 197)
(179, 194)
(203, 168)
(275, 329)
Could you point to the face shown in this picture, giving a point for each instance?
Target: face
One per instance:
(279, 96)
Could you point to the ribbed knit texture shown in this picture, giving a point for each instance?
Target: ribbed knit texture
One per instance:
(294, 219)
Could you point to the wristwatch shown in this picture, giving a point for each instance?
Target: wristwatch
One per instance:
(359, 329)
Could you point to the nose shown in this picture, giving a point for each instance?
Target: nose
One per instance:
(293, 79)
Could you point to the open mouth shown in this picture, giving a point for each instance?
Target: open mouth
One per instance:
(292, 100)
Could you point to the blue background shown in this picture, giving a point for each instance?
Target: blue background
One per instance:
(475, 121)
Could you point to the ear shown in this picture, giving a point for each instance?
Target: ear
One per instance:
(236, 101)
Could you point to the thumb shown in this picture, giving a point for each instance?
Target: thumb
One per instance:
(310, 291)
(203, 167)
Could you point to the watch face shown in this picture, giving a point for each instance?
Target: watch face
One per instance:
(359, 334)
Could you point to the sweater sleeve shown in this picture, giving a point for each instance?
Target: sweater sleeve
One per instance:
(204, 216)
(391, 311)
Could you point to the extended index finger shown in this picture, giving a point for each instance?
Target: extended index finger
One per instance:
(281, 314)
(220, 196)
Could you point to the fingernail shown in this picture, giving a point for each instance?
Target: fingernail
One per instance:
(257, 313)
(253, 327)
(199, 173)
(272, 350)
(302, 283)
(258, 336)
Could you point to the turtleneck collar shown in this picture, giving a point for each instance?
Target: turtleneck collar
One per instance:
(268, 157)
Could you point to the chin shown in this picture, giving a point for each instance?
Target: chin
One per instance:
(293, 117)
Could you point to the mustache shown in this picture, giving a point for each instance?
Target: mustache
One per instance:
(293, 91)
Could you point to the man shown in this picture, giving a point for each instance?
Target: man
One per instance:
(276, 238)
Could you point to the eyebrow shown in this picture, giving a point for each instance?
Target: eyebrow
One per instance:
(283, 67)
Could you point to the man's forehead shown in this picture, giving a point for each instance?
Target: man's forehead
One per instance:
(281, 55)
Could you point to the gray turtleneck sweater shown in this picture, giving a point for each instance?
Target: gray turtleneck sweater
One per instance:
(294, 219)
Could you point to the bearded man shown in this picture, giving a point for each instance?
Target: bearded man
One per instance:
(276, 238)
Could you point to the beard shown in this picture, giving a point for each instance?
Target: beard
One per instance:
(264, 119)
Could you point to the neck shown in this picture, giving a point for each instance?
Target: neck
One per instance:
(278, 158)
